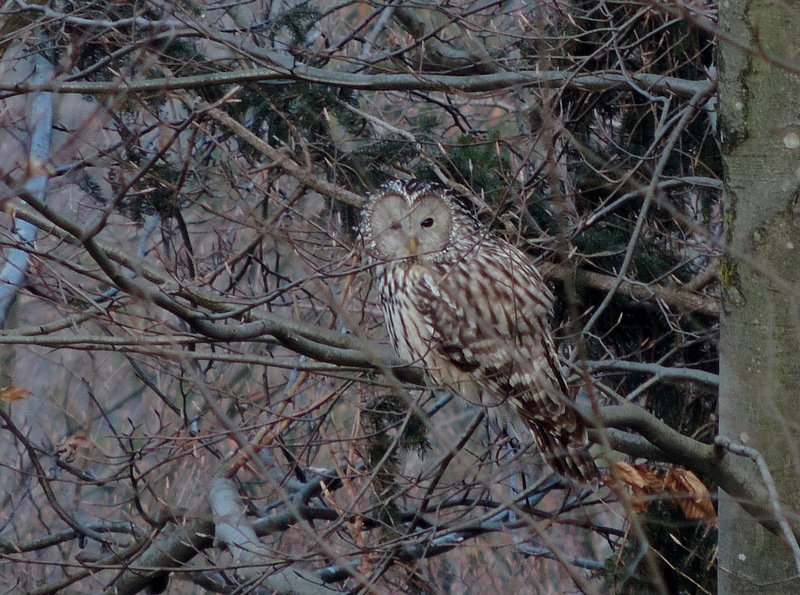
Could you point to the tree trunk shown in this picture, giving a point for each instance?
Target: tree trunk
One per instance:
(760, 335)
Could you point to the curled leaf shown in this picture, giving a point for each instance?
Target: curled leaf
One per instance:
(11, 394)
(643, 483)
(692, 495)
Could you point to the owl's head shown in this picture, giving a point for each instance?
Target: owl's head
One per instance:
(414, 218)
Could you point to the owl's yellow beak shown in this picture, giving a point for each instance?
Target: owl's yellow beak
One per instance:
(413, 244)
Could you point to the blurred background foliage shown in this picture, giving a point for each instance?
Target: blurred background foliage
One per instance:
(561, 170)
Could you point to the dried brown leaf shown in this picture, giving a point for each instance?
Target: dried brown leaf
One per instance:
(12, 394)
(642, 481)
(693, 496)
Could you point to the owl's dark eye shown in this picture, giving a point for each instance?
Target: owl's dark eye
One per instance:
(427, 222)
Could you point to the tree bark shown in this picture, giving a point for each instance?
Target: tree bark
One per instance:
(760, 325)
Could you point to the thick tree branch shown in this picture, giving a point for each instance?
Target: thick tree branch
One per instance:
(685, 301)
(655, 369)
(235, 530)
(282, 66)
(305, 175)
(738, 476)
(485, 83)
(436, 56)
(171, 552)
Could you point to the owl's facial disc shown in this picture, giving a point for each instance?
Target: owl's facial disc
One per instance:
(401, 229)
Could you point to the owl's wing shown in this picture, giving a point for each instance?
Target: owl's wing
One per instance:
(489, 314)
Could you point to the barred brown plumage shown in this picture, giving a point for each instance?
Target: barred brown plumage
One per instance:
(473, 311)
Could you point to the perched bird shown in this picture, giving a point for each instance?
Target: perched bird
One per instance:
(472, 310)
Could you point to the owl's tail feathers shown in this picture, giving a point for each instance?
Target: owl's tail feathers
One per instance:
(569, 457)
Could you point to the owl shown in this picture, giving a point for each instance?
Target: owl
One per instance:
(472, 310)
